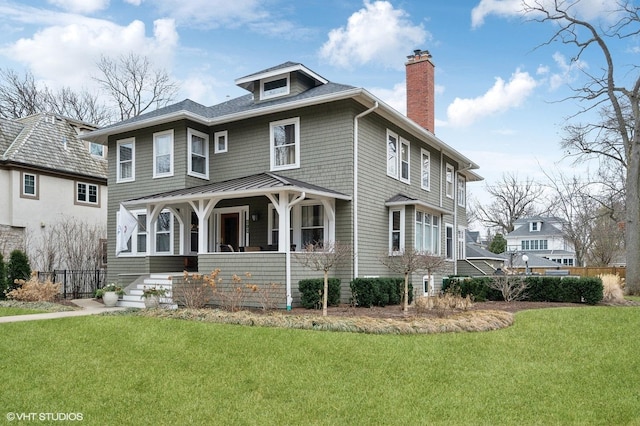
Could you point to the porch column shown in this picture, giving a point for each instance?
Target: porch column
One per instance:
(203, 209)
(330, 213)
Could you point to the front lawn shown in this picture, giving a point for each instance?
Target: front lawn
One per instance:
(7, 312)
(12, 307)
(553, 366)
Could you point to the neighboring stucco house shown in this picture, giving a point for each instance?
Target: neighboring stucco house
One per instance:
(47, 174)
(543, 237)
(214, 187)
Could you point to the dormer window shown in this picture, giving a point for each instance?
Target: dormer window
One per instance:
(534, 226)
(274, 87)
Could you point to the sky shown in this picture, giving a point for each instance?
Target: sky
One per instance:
(498, 85)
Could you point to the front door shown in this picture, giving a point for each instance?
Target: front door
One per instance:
(230, 229)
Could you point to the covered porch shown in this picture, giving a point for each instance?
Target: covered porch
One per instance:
(235, 226)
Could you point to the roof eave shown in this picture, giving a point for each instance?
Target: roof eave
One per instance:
(418, 203)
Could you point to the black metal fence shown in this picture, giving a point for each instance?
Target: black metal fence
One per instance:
(76, 284)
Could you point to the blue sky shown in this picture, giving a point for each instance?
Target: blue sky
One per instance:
(496, 93)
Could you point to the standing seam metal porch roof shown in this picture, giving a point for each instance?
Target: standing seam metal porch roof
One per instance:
(258, 184)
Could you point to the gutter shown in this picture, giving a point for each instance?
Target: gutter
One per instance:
(355, 186)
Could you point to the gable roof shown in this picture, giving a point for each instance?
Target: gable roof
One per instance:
(49, 142)
(405, 200)
(245, 107)
(287, 67)
(258, 184)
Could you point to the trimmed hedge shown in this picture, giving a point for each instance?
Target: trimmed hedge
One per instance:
(311, 292)
(540, 289)
(370, 292)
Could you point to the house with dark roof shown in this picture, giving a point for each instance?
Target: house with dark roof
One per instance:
(245, 185)
(543, 237)
(47, 174)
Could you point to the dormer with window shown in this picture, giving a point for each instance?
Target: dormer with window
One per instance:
(535, 226)
(281, 81)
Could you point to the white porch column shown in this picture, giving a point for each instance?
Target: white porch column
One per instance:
(203, 209)
(330, 213)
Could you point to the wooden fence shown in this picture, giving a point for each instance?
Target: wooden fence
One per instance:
(587, 271)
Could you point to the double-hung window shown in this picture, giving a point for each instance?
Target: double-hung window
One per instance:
(427, 233)
(87, 193)
(163, 232)
(398, 160)
(29, 187)
(449, 180)
(163, 154)
(126, 156)
(425, 172)
(449, 241)
(198, 154)
(312, 226)
(396, 231)
(462, 191)
(285, 144)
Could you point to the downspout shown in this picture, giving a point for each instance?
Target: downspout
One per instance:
(355, 187)
(287, 247)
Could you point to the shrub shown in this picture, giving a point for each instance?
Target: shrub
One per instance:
(477, 288)
(369, 292)
(35, 291)
(612, 288)
(17, 268)
(311, 292)
(3, 278)
(442, 303)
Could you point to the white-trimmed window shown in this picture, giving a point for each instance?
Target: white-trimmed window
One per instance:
(29, 186)
(461, 245)
(285, 144)
(274, 86)
(392, 154)
(274, 225)
(425, 169)
(220, 142)
(198, 154)
(427, 232)
(163, 154)
(398, 160)
(96, 149)
(405, 149)
(126, 157)
(312, 224)
(449, 180)
(396, 231)
(137, 244)
(462, 191)
(164, 232)
(448, 242)
(428, 285)
(87, 193)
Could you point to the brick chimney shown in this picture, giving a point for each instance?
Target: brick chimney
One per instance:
(420, 89)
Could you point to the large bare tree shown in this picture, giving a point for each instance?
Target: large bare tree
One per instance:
(512, 199)
(134, 85)
(605, 86)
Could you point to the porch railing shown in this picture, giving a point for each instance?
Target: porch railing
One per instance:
(76, 284)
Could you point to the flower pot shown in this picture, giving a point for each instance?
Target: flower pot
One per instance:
(151, 301)
(110, 298)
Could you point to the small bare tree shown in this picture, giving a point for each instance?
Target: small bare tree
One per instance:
(410, 261)
(323, 256)
(512, 287)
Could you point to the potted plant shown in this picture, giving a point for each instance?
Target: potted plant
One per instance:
(110, 294)
(152, 295)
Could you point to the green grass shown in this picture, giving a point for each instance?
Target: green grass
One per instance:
(554, 366)
(7, 312)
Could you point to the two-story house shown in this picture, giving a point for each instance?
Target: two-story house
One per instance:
(48, 175)
(543, 237)
(245, 184)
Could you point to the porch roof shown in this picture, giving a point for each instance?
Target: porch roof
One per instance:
(405, 200)
(247, 186)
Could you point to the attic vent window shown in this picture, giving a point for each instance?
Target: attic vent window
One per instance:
(273, 87)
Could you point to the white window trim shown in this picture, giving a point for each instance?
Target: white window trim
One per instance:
(449, 185)
(296, 122)
(92, 145)
(217, 135)
(134, 237)
(423, 153)
(286, 91)
(296, 223)
(453, 241)
(155, 234)
(461, 252)
(155, 171)
(434, 238)
(402, 232)
(119, 178)
(392, 173)
(429, 282)
(462, 191)
(87, 185)
(404, 142)
(190, 172)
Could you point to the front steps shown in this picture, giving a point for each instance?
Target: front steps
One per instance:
(133, 294)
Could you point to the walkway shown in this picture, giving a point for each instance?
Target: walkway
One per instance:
(89, 307)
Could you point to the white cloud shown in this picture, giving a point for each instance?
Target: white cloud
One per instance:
(81, 6)
(212, 13)
(395, 97)
(377, 33)
(134, 2)
(567, 72)
(66, 53)
(584, 9)
(501, 97)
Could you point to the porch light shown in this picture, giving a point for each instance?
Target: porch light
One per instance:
(525, 259)
(255, 217)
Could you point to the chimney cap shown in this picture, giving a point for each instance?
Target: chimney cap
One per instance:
(419, 54)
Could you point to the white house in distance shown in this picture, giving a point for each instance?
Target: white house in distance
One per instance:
(47, 174)
(542, 237)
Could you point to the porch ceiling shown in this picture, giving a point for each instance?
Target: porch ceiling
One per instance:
(248, 186)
